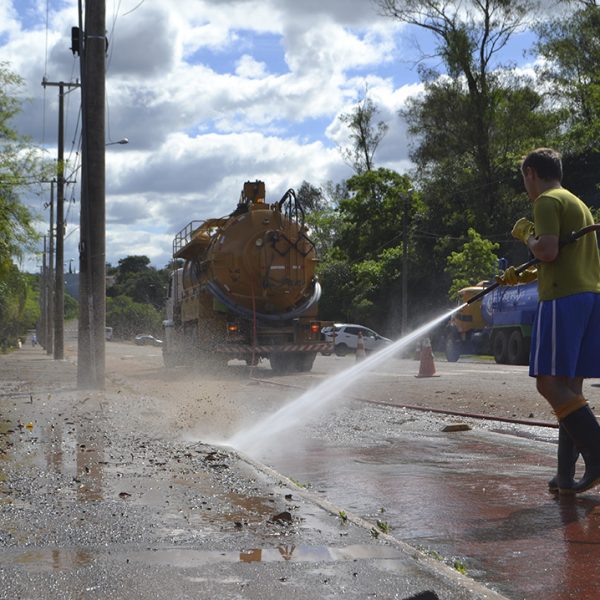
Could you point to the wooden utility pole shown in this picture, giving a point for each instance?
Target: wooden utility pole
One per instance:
(42, 325)
(50, 283)
(59, 271)
(92, 247)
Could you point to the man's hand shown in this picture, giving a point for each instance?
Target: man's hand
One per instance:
(523, 230)
(510, 276)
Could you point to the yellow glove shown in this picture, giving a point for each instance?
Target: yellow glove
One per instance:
(510, 276)
(523, 230)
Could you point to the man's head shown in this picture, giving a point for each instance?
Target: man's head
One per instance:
(541, 169)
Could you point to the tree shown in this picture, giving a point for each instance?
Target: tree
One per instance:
(469, 35)
(471, 125)
(362, 276)
(571, 49)
(132, 264)
(139, 281)
(365, 136)
(19, 167)
(322, 219)
(475, 262)
(372, 213)
(129, 318)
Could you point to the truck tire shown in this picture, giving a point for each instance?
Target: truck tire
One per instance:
(341, 349)
(499, 345)
(280, 363)
(452, 349)
(517, 350)
(305, 360)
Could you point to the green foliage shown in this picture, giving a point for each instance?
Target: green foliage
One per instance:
(18, 167)
(140, 282)
(322, 219)
(132, 264)
(372, 213)
(19, 309)
(335, 276)
(71, 307)
(475, 262)
(129, 318)
(571, 50)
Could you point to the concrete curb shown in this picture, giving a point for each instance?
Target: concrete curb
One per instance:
(478, 590)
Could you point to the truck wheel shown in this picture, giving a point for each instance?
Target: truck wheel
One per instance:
(452, 350)
(341, 349)
(499, 344)
(280, 363)
(305, 361)
(516, 349)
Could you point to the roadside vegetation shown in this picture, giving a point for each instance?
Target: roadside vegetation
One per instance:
(445, 223)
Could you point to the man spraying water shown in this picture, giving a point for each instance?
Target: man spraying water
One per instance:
(565, 342)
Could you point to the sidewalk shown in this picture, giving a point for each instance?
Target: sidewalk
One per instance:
(100, 498)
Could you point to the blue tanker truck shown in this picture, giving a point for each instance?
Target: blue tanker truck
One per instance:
(499, 324)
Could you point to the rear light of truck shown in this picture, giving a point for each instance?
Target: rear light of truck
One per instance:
(315, 327)
(232, 328)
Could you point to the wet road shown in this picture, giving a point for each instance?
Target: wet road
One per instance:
(476, 498)
(124, 487)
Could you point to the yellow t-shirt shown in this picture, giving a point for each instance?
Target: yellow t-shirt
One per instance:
(577, 267)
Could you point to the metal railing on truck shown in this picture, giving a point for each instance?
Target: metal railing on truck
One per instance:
(184, 237)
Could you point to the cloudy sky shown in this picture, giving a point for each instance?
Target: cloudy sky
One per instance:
(212, 93)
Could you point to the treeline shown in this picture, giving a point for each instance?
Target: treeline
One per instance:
(136, 294)
(469, 128)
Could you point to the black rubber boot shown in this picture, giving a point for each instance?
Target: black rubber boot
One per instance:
(567, 458)
(584, 430)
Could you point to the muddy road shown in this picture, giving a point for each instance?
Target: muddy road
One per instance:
(134, 492)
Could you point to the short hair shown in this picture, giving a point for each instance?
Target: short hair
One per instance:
(546, 162)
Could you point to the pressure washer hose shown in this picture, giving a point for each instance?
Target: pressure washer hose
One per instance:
(534, 261)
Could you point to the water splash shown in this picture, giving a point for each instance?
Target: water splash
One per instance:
(317, 398)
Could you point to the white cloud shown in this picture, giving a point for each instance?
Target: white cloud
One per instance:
(210, 93)
(248, 68)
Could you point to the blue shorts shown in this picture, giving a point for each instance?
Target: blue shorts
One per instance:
(565, 339)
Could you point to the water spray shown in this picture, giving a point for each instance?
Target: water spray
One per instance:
(317, 398)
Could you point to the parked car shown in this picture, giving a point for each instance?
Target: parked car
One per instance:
(346, 338)
(108, 333)
(144, 339)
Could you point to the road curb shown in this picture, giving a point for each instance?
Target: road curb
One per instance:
(439, 568)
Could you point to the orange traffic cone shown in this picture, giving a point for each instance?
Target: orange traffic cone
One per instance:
(426, 367)
(360, 347)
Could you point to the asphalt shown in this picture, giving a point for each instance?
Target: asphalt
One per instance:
(94, 504)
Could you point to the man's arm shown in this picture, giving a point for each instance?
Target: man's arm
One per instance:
(544, 248)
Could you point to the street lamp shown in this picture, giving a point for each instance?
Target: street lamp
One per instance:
(121, 141)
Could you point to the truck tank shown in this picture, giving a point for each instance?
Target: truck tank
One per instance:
(499, 324)
(249, 285)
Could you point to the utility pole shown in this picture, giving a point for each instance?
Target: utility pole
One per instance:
(43, 301)
(50, 283)
(92, 248)
(59, 272)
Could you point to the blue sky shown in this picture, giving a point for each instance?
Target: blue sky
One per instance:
(212, 93)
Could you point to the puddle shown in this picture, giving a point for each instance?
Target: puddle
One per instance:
(54, 559)
(57, 559)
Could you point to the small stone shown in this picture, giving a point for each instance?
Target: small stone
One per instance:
(457, 427)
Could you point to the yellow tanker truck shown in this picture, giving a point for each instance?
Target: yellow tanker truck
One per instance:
(247, 288)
